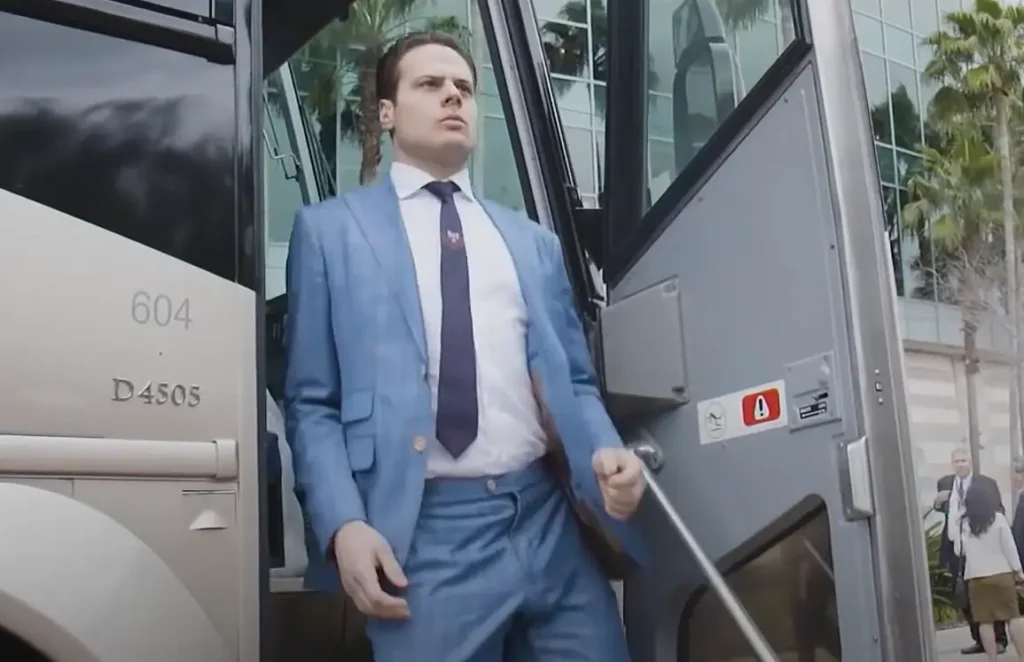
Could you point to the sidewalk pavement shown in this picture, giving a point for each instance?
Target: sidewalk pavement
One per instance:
(949, 643)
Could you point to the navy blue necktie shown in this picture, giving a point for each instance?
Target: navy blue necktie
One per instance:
(457, 416)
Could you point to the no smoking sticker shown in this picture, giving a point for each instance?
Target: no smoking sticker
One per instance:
(743, 413)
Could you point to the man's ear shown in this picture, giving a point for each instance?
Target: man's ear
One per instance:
(386, 111)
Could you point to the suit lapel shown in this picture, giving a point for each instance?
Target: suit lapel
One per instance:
(376, 210)
(540, 335)
(523, 250)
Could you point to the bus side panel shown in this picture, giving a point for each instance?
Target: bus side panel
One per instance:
(129, 347)
(62, 605)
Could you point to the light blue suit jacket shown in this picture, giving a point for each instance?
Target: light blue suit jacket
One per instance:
(356, 393)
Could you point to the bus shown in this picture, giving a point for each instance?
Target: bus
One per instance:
(734, 278)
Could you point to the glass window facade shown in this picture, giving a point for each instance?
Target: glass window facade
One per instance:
(574, 35)
(328, 76)
(890, 34)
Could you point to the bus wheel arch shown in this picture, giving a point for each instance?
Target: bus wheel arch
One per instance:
(79, 587)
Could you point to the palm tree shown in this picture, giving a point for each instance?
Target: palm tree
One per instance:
(954, 195)
(346, 54)
(566, 46)
(978, 62)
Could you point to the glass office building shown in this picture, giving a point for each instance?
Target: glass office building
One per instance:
(890, 35)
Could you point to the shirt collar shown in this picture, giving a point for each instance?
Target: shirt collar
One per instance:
(408, 180)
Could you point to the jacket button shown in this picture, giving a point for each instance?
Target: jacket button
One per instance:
(420, 444)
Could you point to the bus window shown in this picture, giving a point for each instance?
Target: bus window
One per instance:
(133, 138)
(703, 62)
(789, 591)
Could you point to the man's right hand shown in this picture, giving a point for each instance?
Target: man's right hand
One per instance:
(941, 498)
(359, 551)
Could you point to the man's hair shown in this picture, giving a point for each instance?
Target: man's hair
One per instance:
(387, 65)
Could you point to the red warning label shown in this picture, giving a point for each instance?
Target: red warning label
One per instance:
(761, 407)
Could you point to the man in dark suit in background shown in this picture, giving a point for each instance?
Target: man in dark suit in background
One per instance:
(950, 501)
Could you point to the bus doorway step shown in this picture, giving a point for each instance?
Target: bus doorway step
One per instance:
(317, 627)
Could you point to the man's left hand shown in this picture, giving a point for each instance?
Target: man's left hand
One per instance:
(621, 479)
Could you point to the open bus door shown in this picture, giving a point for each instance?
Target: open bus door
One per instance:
(749, 346)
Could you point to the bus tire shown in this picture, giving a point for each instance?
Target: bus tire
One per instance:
(15, 649)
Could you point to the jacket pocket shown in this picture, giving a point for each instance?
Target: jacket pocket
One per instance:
(356, 406)
(356, 417)
(360, 451)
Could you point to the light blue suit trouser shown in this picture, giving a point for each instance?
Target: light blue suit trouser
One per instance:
(498, 573)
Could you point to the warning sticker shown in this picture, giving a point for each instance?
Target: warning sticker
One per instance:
(813, 410)
(744, 412)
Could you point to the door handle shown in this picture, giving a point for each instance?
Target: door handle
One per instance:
(647, 449)
(650, 453)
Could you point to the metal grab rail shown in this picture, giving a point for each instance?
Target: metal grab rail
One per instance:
(216, 459)
(651, 456)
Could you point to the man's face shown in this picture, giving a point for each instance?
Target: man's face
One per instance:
(961, 464)
(434, 111)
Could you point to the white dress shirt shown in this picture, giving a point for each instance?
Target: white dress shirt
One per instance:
(991, 553)
(956, 510)
(510, 436)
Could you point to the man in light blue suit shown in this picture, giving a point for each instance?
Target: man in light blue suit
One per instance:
(436, 365)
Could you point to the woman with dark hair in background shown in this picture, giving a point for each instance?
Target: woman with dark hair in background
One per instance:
(992, 569)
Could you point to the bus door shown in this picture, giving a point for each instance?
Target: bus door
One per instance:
(746, 328)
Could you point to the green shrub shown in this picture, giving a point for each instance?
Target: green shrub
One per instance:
(944, 611)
